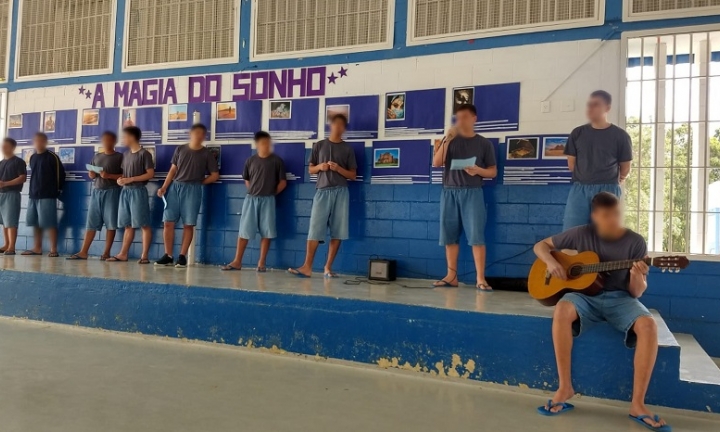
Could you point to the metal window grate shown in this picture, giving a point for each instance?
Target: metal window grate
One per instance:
(61, 36)
(672, 195)
(170, 31)
(639, 7)
(449, 17)
(289, 26)
(4, 35)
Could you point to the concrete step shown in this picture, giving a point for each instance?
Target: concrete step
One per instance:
(696, 366)
(665, 336)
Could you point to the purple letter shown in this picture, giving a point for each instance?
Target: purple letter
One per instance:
(213, 94)
(292, 82)
(121, 91)
(99, 98)
(135, 98)
(240, 82)
(150, 92)
(278, 83)
(316, 88)
(196, 92)
(259, 85)
(170, 95)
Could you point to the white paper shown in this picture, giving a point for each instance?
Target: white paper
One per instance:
(93, 168)
(458, 164)
(164, 202)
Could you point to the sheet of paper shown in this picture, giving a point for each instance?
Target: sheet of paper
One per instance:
(458, 164)
(93, 168)
(164, 202)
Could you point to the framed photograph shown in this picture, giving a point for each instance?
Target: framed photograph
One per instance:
(395, 106)
(129, 117)
(463, 96)
(386, 158)
(214, 149)
(333, 110)
(15, 121)
(177, 113)
(49, 121)
(554, 147)
(90, 117)
(226, 111)
(67, 155)
(523, 148)
(27, 153)
(281, 110)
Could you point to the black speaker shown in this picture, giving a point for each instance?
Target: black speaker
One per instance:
(382, 270)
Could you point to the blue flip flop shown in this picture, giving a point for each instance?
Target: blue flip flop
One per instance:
(444, 284)
(550, 405)
(261, 270)
(229, 268)
(656, 418)
(331, 275)
(296, 273)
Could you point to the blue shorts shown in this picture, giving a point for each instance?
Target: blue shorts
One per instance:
(183, 202)
(103, 209)
(577, 210)
(462, 208)
(330, 209)
(617, 308)
(42, 213)
(258, 215)
(10, 209)
(134, 208)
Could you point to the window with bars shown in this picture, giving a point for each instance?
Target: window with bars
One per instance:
(672, 195)
(62, 36)
(181, 31)
(4, 37)
(459, 19)
(653, 9)
(283, 27)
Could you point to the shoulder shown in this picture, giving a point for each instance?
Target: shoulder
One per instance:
(579, 130)
(483, 141)
(617, 130)
(635, 237)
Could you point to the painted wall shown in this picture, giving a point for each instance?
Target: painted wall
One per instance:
(400, 222)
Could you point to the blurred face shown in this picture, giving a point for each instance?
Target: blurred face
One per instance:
(40, 144)
(263, 146)
(597, 109)
(197, 136)
(108, 143)
(128, 139)
(337, 128)
(465, 120)
(607, 220)
(7, 149)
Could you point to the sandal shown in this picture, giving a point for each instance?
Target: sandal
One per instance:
(143, 261)
(53, 255)
(115, 259)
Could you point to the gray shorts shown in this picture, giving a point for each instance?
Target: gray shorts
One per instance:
(42, 213)
(617, 308)
(10, 209)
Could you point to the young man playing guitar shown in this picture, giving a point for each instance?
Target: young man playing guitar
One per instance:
(617, 304)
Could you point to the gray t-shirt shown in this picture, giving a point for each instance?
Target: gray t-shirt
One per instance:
(10, 169)
(478, 147)
(598, 153)
(327, 151)
(137, 164)
(584, 238)
(193, 164)
(111, 164)
(264, 174)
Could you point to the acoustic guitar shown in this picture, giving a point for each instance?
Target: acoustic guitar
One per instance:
(584, 274)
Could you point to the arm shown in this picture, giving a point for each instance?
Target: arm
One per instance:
(106, 175)
(315, 169)
(149, 174)
(625, 155)
(61, 175)
(282, 184)
(571, 163)
(543, 249)
(348, 174)
(638, 279)
(212, 178)
(15, 182)
(489, 172)
(168, 180)
(440, 151)
(624, 170)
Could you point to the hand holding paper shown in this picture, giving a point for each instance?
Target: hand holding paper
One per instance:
(93, 168)
(459, 164)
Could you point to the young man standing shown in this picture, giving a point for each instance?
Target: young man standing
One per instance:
(264, 176)
(184, 196)
(13, 173)
(47, 178)
(138, 168)
(333, 160)
(462, 204)
(617, 304)
(599, 155)
(105, 197)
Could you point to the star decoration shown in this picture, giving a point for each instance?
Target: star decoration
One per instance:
(332, 78)
(81, 90)
(88, 95)
(343, 72)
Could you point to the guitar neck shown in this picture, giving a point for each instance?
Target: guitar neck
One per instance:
(613, 265)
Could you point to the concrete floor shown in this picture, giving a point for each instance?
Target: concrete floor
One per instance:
(55, 378)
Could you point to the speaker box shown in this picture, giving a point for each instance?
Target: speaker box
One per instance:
(382, 270)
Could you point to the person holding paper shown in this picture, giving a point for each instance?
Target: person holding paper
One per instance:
(46, 184)
(104, 170)
(333, 161)
(182, 193)
(467, 158)
(13, 174)
(138, 168)
(265, 178)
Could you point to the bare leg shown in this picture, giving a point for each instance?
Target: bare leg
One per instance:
(306, 268)
(6, 238)
(264, 248)
(53, 234)
(479, 257)
(333, 249)
(451, 256)
(128, 238)
(109, 240)
(169, 237)
(239, 252)
(89, 237)
(12, 239)
(645, 355)
(563, 319)
(37, 236)
(146, 240)
(187, 238)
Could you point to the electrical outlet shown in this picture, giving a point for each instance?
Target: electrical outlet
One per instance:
(545, 107)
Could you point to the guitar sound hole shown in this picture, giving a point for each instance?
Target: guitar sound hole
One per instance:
(575, 271)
